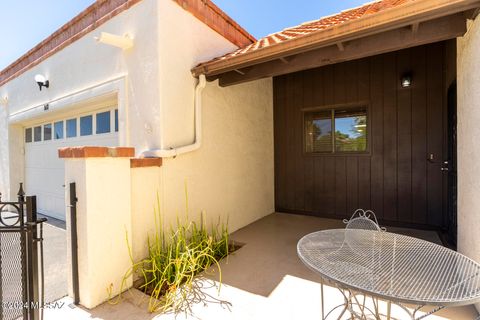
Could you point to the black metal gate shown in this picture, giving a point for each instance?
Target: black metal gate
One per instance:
(21, 259)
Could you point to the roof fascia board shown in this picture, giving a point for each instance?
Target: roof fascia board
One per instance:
(397, 17)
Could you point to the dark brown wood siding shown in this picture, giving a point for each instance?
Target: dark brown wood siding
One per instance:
(395, 179)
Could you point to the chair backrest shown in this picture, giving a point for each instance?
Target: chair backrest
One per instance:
(363, 219)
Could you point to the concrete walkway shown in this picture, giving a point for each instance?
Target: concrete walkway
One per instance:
(262, 280)
(55, 260)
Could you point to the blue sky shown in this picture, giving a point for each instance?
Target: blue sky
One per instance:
(25, 23)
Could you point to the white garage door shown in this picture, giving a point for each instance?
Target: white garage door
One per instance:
(44, 171)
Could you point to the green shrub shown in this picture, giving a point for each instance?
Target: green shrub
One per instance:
(175, 257)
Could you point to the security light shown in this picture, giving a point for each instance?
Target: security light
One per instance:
(406, 80)
(42, 81)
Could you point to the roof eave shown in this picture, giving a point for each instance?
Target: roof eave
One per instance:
(396, 17)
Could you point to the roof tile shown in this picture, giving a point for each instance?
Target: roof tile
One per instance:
(317, 25)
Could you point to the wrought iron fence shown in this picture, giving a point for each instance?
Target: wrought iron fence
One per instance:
(21, 259)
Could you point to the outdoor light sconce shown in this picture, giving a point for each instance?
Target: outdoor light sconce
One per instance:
(406, 80)
(123, 42)
(42, 81)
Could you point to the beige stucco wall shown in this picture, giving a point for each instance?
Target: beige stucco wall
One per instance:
(232, 174)
(103, 224)
(145, 193)
(468, 148)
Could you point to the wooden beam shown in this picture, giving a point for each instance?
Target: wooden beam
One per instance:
(284, 60)
(432, 31)
(340, 46)
(415, 27)
(239, 71)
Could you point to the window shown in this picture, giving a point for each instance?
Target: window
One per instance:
(116, 120)
(318, 126)
(86, 125)
(339, 130)
(28, 135)
(103, 122)
(71, 128)
(37, 134)
(47, 132)
(58, 130)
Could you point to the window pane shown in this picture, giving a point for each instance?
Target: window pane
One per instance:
(116, 120)
(318, 131)
(103, 122)
(86, 125)
(71, 128)
(47, 132)
(351, 130)
(58, 128)
(37, 134)
(28, 135)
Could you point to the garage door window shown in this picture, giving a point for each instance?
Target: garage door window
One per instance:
(28, 135)
(47, 132)
(86, 124)
(103, 122)
(71, 128)
(37, 134)
(116, 120)
(58, 128)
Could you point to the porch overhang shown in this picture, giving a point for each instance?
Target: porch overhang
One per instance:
(411, 24)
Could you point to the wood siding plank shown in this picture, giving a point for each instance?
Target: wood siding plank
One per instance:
(405, 125)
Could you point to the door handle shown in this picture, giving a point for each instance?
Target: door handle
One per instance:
(445, 166)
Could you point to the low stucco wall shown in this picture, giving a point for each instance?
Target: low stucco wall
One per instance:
(103, 224)
(145, 187)
(468, 64)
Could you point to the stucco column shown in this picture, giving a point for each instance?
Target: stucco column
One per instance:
(102, 177)
(468, 66)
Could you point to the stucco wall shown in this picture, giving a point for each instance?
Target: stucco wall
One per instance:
(184, 41)
(103, 224)
(232, 174)
(468, 149)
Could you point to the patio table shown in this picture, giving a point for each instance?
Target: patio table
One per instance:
(396, 268)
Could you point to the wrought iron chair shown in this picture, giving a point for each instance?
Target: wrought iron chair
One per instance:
(363, 219)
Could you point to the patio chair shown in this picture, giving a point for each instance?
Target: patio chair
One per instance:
(363, 219)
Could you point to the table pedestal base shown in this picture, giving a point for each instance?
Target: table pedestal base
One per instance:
(357, 307)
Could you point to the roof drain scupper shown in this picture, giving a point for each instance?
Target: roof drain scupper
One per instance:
(173, 152)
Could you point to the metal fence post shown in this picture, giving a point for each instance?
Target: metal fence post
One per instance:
(32, 259)
(74, 242)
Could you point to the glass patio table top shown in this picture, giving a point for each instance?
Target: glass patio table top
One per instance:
(392, 266)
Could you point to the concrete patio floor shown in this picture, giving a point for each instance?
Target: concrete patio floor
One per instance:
(263, 280)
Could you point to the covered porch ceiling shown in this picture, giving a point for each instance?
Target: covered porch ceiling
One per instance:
(406, 25)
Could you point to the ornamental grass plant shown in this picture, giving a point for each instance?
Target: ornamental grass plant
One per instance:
(176, 256)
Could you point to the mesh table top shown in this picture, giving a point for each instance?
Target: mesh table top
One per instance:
(392, 266)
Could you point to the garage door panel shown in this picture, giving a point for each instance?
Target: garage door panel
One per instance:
(45, 171)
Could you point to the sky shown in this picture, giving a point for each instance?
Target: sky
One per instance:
(25, 23)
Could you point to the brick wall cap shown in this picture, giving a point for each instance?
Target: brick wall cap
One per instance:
(96, 152)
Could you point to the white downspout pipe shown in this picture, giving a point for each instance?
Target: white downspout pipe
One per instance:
(173, 152)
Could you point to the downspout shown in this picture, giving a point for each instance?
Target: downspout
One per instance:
(173, 152)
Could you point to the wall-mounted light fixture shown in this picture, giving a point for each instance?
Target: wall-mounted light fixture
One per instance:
(123, 42)
(406, 80)
(42, 81)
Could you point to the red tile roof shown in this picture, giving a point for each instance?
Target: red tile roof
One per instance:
(317, 25)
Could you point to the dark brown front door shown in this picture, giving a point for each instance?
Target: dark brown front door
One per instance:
(399, 174)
